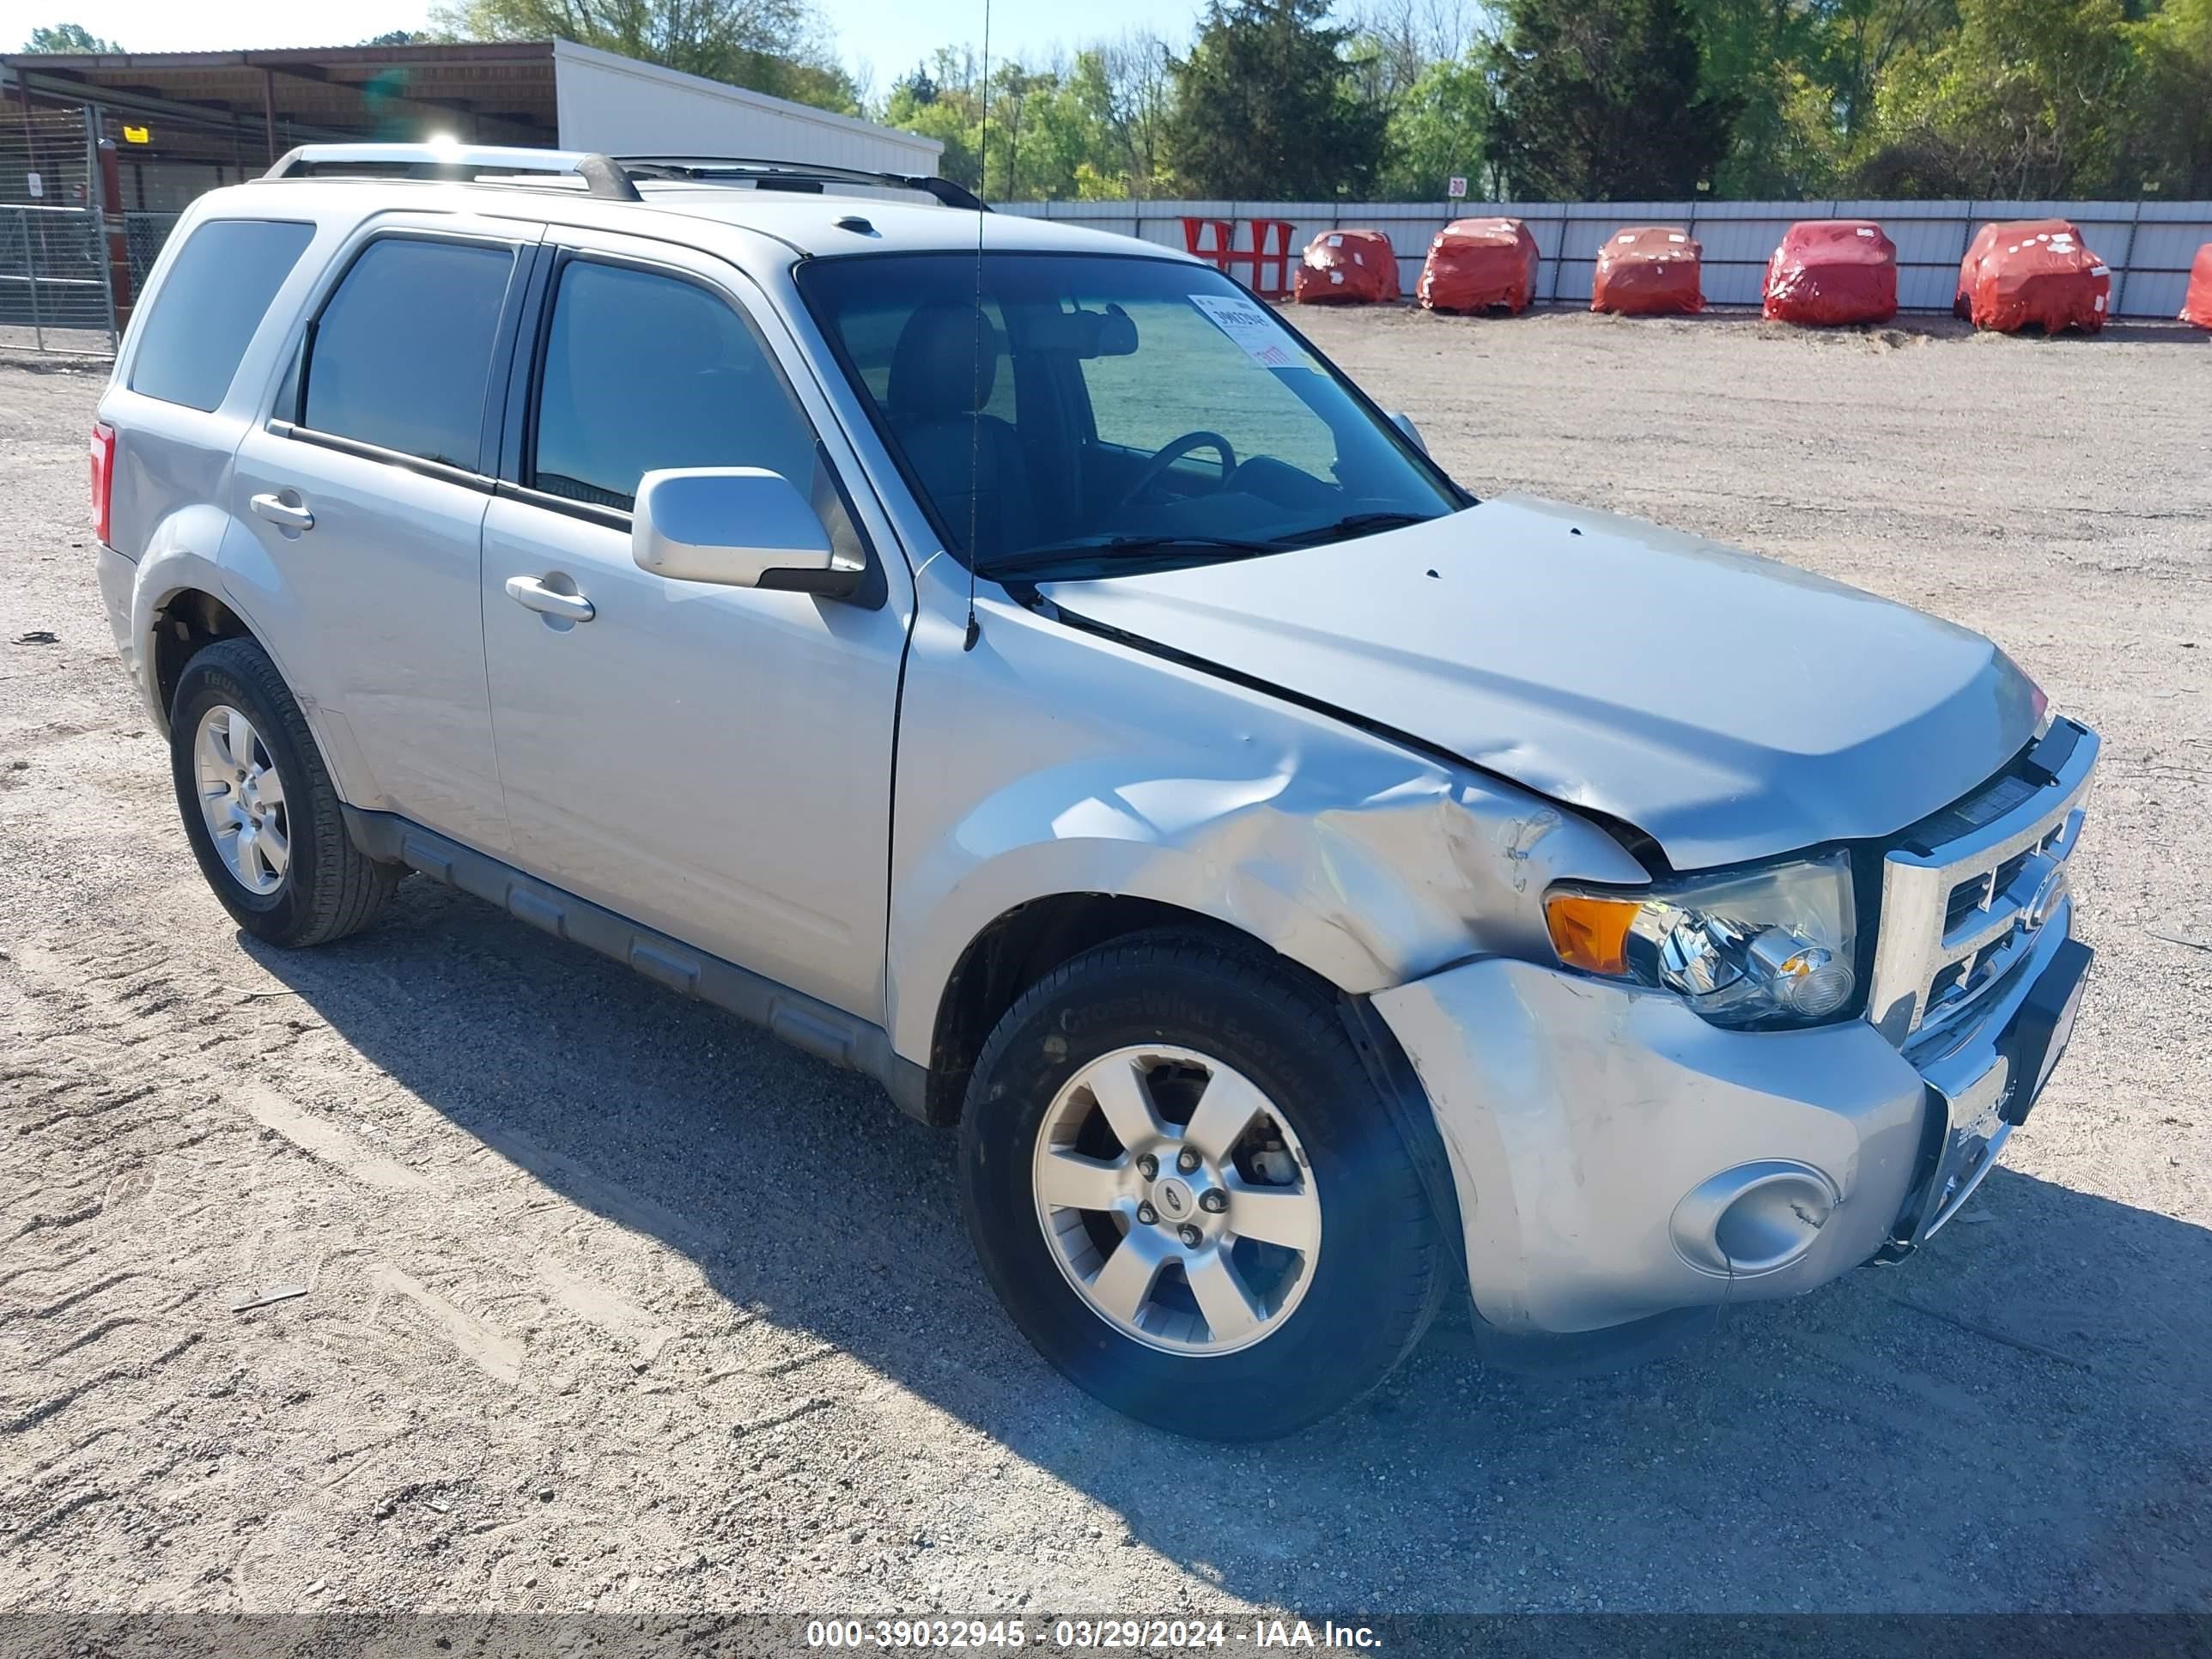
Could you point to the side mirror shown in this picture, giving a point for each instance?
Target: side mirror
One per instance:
(735, 527)
(1404, 422)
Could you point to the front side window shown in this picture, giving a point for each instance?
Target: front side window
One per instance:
(644, 371)
(401, 355)
(214, 298)
(1085, 414)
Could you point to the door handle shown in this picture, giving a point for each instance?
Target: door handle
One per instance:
(532, 594)
(278, 511)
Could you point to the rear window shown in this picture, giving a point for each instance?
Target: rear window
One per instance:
(213, 299)
(403, 349)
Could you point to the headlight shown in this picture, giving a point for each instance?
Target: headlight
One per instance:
(1759, 950)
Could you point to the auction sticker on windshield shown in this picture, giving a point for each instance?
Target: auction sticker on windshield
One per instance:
(1247, 322)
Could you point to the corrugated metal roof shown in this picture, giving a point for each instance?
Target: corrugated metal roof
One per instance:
(209, 105)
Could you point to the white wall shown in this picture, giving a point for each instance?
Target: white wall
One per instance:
(619, 107)
(2148, 244)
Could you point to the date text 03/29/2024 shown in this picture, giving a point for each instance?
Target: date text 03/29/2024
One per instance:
(1137, 1635)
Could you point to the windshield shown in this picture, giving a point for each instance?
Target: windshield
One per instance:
(1062, 414)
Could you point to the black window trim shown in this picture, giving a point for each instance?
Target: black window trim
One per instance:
(368, 451)
(286, 423)
(268, 309)
(608, 517)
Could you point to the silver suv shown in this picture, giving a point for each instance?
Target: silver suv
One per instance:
(1009, 661)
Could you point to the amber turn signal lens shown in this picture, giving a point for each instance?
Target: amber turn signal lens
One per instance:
(1591, 931)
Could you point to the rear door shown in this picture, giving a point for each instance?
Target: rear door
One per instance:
(363, 497)
(713, 761)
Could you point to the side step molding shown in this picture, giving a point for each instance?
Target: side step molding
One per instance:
(802, 1021)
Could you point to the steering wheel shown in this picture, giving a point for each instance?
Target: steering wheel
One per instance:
(1168, 453)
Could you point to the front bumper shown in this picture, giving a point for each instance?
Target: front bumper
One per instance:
(1616, 1157)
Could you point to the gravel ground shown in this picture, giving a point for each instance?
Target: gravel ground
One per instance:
(609, 1302)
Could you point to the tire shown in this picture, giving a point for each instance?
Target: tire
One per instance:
(323, 888)
(1331, 1323)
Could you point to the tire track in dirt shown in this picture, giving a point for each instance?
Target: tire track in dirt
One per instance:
(449, 1244)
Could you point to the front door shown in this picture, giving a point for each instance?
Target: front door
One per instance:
(713, 761)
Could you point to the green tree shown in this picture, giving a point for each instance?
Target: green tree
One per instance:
(921, 104)
(1265, 106)
(2026, 99)
(1755, 52)
(1090, 127)
(1127, 90)
(1604, 100)
(782, 47)
(2168, 146)
(72, 37)
(1860, 47)
(1436, 130)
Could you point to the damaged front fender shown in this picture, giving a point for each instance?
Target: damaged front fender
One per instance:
(1051, 761)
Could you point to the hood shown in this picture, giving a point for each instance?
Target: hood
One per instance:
(1728, 706)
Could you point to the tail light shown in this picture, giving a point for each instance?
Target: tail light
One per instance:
(103, 474)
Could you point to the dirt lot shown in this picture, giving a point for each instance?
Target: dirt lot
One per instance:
(610, 1302)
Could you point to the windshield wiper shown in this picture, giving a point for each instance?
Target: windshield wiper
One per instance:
(1038, 558)
(1359, 523)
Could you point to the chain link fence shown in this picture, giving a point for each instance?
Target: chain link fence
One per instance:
(54, 293)
(45, 158)
(144, 233)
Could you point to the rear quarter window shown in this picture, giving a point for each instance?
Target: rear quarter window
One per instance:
(208, 307)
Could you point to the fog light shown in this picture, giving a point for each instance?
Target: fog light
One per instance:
(1755, 1218)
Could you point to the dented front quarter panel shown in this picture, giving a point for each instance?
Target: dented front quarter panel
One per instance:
(1049, 760)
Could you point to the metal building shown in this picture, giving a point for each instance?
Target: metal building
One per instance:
(186, 121)
(99, 154)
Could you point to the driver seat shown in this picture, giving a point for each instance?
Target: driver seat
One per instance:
(943, 371)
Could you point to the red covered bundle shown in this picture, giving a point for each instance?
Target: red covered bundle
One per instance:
(1832, 271)
(1480, 264)
(1962, 301)
(1650, 271)
(1346, 267)
(2196, 306)
(2033, 273)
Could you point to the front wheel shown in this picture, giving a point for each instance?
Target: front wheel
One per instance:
(1188, 1194)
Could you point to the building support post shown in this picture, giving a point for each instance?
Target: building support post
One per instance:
(114, 226)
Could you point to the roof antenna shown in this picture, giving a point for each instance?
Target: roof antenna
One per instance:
(975, 369)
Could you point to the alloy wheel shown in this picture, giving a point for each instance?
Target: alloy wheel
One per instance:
(242, 799)
(1176, 1199)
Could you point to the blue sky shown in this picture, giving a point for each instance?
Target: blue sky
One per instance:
(892, 34)
(888, 35)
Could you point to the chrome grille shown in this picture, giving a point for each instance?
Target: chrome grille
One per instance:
(1960, 896)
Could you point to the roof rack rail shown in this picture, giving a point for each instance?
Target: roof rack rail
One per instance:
(801, 176)
(464, 163)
